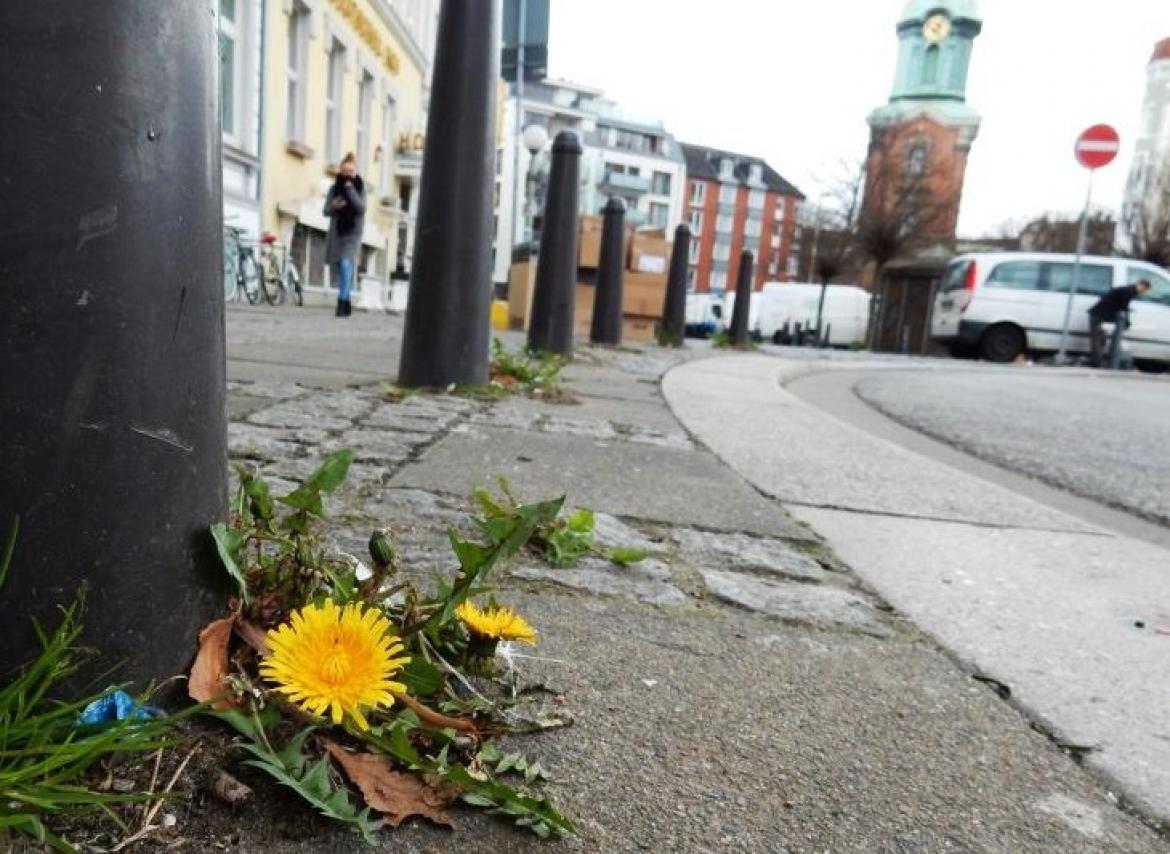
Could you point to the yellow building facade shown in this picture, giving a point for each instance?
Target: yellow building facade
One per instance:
(344, 76)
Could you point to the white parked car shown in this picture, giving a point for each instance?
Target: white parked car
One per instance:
(845, 314)
(998, 305)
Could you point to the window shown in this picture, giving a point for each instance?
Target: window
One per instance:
(298, 37)
(752, 228)
(388, 115)
(618, 168)
(1016, 275)
(229, 68)
(756, 199)
(726, 169)
(692, 275)
(1093, 278)
(955, 277)
(661, 183)
(696, 222)
(698, 192)
(930, 66)
(659, 214)
(718, 280)
(727, 194)
(1160, 292)
(916, 160)
(756, 173)
(365, 117)
(333, 101)
(633, 170)
(693, 252)
(724, 222)
(722, 252)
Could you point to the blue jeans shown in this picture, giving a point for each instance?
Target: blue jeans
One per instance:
(344, 269)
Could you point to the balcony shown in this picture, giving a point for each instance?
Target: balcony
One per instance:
(618, 183)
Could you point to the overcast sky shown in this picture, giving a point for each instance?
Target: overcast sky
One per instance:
(793, 82)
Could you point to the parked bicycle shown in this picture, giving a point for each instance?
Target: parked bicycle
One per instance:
(281, 279)
(241, 273)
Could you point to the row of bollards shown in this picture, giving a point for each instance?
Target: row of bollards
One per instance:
(112, 324)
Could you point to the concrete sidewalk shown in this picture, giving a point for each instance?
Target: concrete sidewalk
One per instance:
(1037, 599)
(738, 691)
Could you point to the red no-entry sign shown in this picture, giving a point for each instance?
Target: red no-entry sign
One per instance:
(1097, 146)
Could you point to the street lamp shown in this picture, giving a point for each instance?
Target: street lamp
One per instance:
(534, 137)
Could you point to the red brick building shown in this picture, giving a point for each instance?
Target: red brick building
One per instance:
(735, 202)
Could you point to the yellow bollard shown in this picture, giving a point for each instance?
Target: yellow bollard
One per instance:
(500, 315)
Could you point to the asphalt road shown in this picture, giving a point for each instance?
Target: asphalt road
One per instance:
(1103, 437)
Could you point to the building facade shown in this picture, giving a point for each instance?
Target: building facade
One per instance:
(241, 72)
(735, 202)
(637, 161)
(344, 76)
(920, 140)
(1147, 193)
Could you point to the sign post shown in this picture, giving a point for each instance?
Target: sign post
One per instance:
(1095, 148)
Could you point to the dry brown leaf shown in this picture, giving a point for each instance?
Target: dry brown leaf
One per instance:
(437, 719)
(392, 793)
(253, 635)
(211, 664)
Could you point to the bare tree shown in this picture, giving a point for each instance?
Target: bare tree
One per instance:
(1049, 233)
(909, 201)
(1147, 222)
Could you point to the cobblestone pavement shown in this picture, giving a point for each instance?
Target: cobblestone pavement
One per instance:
(739, 690)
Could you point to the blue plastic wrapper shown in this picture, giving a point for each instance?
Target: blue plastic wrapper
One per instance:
(115, 706)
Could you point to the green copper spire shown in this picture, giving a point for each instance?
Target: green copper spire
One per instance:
(935, 38)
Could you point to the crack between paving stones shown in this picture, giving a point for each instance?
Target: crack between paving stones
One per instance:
(892, 514)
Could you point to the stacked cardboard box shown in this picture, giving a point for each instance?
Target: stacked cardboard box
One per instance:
(643, 286)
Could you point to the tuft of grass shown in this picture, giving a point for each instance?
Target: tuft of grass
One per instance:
(45, 753)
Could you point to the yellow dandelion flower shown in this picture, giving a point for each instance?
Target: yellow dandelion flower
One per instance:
(337, 660)
(495, 624)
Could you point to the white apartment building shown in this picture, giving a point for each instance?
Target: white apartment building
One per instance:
(1151, 158)
(637, 161)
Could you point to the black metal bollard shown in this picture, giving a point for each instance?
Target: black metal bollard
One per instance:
(445, 339)
(674, 308)
(743, 300)
(607, 300)
(550, 328)
(112, 328)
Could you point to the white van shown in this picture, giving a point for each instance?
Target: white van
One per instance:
(845, 314)
(1000, 304)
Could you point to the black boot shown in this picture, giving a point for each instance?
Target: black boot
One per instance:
(348, 308)
(340, 308)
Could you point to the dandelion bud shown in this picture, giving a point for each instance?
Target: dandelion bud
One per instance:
(382, 548)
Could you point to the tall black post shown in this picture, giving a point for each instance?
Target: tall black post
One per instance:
(674, 309)
(607, 301)
(445, 339)
(550, 328)
(743, 300)
(112, 409)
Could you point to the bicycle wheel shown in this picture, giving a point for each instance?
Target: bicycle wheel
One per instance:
(272, 285)
(231, 285)
(249, 277)
(293, 278)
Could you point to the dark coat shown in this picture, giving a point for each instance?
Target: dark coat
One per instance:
(337, 245)
(1113, 303)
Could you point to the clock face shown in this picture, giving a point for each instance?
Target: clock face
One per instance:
(936, 28)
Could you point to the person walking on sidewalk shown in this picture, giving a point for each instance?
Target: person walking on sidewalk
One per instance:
(345, 205)
(1109, 309)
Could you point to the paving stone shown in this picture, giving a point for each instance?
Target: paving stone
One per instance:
(310, 435)
(610, 531)
(650, 436)
(301, 413)
(741, 553)
(647, 581)
(507, 416)
(579, 427)
(397, 416)
(377, 446)
(260, 443)
(824, 607)
(263, 388)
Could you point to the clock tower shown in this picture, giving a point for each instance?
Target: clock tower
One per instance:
(920, 139)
